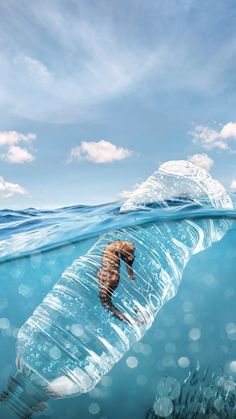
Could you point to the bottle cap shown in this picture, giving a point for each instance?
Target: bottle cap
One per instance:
(23, 396)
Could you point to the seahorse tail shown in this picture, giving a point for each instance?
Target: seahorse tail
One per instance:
(118, 314)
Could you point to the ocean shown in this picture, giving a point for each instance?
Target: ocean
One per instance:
(193, 335)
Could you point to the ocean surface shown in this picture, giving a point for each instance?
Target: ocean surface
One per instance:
(190, 350)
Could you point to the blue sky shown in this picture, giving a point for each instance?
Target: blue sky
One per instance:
(95, 95)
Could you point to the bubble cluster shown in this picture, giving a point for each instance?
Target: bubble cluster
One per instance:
(202, 394)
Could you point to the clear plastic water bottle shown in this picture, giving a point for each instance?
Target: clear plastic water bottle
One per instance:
(87, 322)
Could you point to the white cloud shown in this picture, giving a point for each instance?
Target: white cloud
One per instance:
(7, 189)
(13, 137)
(125, 194)
(202, 160)
(99, 152)
(13, 153)
(16, 154)
(233, 186)
(210, 138)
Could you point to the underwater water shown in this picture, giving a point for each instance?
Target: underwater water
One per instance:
(197, 326)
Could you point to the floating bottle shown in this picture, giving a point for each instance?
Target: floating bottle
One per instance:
(107, 299)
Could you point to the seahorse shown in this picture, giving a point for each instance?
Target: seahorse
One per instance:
(109, 274)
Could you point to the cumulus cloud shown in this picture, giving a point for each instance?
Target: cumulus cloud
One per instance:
(233, 186)
(8, 138)
(202, 160)
(8, 189)
(102, 151)
(16, 154)
(11, 151)
(125, 194)
(210, 138)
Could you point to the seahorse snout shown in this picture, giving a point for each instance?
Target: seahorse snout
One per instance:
(130, 271)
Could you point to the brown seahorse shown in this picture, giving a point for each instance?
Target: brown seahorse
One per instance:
(109, 274)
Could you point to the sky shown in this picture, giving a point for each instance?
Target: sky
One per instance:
(95, 95)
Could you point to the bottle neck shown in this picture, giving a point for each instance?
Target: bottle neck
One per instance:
(23, 396)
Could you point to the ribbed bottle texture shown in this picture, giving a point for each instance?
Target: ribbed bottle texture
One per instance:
(106, 300)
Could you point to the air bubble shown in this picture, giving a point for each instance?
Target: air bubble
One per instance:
(231, 331)
(55, 353)
(228, 385)
(208, 393)
(4, 323)
(187, 306)
(3, 303)
(163, 407)
(106, 381)
(94, 408)
(195, 334)
(189, 318)
(183, 362)
(24, 290)
(77, 330)
(232, 366)
(132, 362)
(146, 349)
(95, 392)
(219, 403)
(168, 361)
(194, 347)
(141, 380)
(46, 280)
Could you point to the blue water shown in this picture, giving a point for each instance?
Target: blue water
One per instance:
(198, 325)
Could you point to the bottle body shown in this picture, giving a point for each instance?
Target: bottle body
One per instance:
(74, 337)
(72, 340)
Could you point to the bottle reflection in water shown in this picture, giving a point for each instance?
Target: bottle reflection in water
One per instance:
(87, 322)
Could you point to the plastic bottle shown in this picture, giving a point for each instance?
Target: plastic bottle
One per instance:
(72, 340)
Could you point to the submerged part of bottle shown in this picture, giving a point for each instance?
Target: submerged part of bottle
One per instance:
(87, 322)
